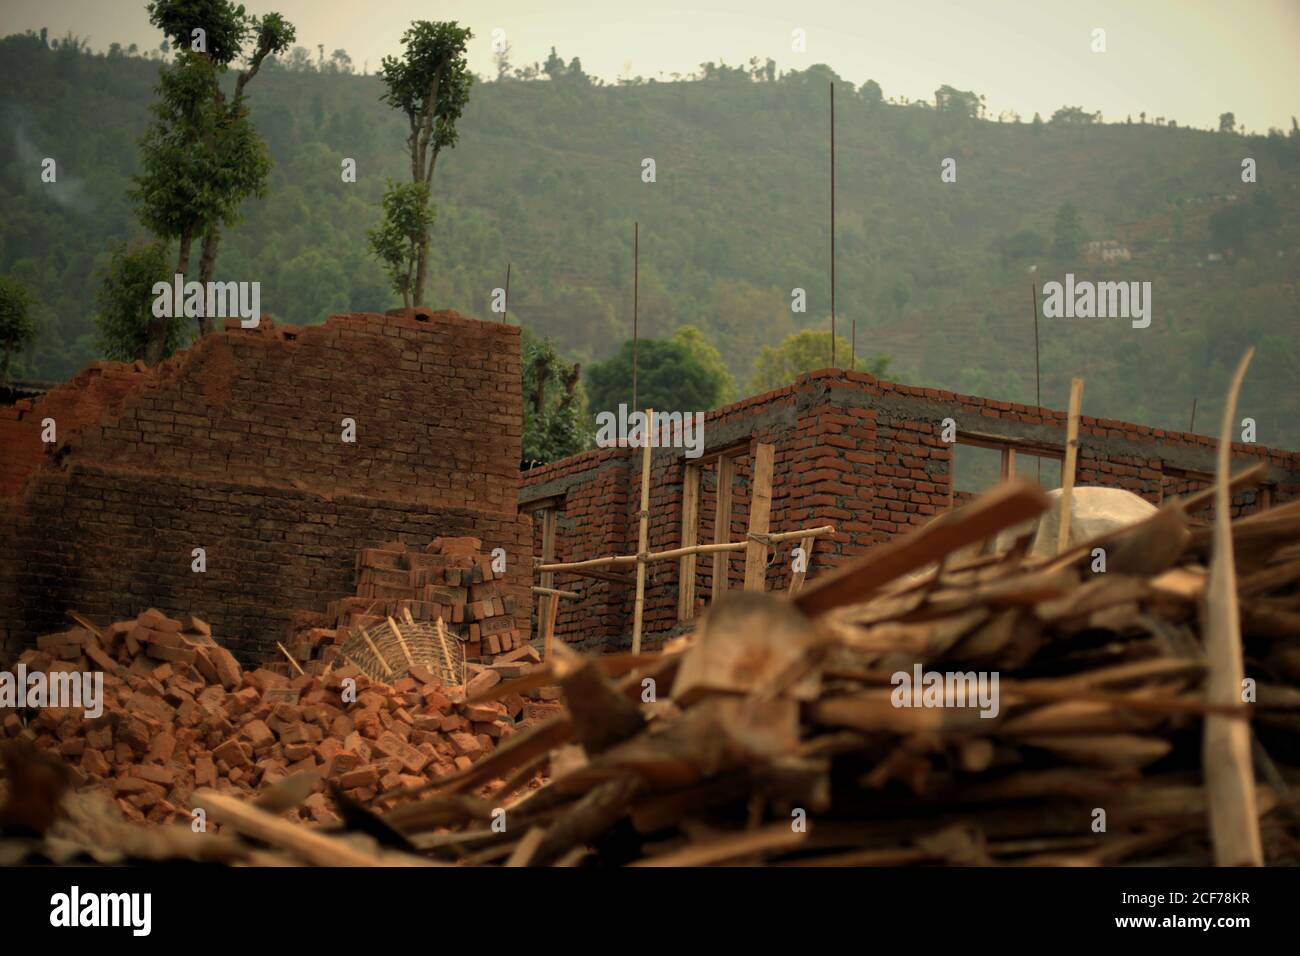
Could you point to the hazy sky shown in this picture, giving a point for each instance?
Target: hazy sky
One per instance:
(1187, 60)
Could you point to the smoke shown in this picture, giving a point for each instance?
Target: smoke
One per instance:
(67, 191)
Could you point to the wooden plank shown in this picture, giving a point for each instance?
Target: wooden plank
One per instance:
(1226, 757)
(547, 578)
(643, 532)
(690, 532)
(548, 629)
(722, 526)
(1000, 508)
(760, 513)
(797, 577)
(1071, 461)
(1008, 464)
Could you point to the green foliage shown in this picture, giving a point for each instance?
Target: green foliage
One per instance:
(1227, 122)
(17, 324)
(1238, 227)
(1074, 116)
(555, 403)
(957, 102)
(430, 83)
(806, 351)
(672, 376)
(708, 357)
(1067, 232)
(224, 24)
(126, 298)
(396, 241)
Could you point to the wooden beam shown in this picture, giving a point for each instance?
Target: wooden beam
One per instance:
(547, 578)
(643, 533)
(1071, 462)
(548, 628)
(690, 532)
(722, 526)
(1008, 464)
(1000, 508)
(760, 513)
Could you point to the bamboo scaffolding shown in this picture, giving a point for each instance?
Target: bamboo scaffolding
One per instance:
(1071, 462)
(578, 567)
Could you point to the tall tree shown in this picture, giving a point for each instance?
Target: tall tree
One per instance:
(398, 238)
(237, 160)
(430, 83)
(805, 351)
(671, 377)
(555, 403)
(17, 325)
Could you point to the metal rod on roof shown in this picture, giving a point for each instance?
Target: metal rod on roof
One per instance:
(505, 306)
(832, 223)
(636, 284)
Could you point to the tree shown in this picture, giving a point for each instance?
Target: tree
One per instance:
(708, 356)
(125, 300)
(1067, 232)
(1227, 122)
(670, 377)
(430, 83)
(17, 324)
(399, 239)
(1074, 116)
(555, 403)
(871, 93)
(960, 102)
(802, 352)
(239, 156)
(1025, 244)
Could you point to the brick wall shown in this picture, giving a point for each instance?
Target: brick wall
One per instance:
(853, 451)
(235, 446)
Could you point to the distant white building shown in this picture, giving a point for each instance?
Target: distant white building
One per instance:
(1108, 250)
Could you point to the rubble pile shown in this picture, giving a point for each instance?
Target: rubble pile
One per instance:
(451, 579)
(178, 712)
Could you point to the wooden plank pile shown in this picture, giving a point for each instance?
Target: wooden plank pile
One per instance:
(831, 730)
(180, 713)
(451, 579)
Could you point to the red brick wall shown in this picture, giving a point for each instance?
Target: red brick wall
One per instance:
(235, 446)
(862, 454)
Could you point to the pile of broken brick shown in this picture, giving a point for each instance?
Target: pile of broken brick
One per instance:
(180, 713)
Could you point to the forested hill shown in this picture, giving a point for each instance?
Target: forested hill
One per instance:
(548, 176)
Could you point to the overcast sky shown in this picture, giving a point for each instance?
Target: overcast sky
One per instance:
(1187, 60)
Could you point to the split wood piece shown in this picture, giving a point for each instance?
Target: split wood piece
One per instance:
(548, 628)
(690, 533)
(289, 657)
(544, 675)
(89, 625)
(643, 534)
(726, 473)
(768, 839)
(1006, 505)
(598, 810)
(602, 717)
(760, 511)
(1229, 775)
(806, 545)
(1068, 468)
(401, 641)
(526, 848)
(314, 847)
(744, 641)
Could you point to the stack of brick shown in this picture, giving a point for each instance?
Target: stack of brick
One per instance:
(451, 579)
(179, 713)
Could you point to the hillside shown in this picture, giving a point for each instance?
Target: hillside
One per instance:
(547, 177)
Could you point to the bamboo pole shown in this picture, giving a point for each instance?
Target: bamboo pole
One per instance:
(556, 592)
(1071, 460)
(643, 532)
(289, 658)
(401, 641)
(760, 512)
(581, 567)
